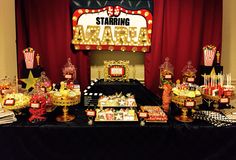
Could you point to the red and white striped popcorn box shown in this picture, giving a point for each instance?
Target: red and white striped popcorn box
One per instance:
(209, 55)
(29, 57)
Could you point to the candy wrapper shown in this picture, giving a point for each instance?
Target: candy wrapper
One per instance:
(29, 57)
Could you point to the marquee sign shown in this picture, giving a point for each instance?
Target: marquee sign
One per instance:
(112, 28)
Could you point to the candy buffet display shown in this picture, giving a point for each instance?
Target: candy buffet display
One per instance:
(114, 114)
(186, 96)
(66, 96)
(117, 107)
(152, 114)
(16, 101)
(117, 100)
(214, 91)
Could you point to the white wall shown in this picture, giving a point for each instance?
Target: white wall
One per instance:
(229, 38)
(8, 65)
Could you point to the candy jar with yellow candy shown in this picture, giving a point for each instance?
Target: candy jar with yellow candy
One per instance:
(65, 97)
(187, 97)
(16, 102)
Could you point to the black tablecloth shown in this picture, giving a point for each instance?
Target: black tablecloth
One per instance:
(77, 140)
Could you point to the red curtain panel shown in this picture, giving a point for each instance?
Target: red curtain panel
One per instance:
(180, 29)
(46, 26)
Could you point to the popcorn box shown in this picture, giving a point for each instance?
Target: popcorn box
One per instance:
(29, 57)
(209, 55)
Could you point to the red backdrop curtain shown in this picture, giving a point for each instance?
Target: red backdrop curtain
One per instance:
(46, 26)
(180, 29)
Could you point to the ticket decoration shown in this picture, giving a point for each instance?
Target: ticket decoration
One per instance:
(29, 57)
(224, 100)
(90, 113)
(9, 102)
(209, 54)
(116, 70)
(143, 114)
(112, 26)
(189, 103)
(34, 105)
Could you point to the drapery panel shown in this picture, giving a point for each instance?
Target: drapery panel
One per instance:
(180, 29)
(46, 26)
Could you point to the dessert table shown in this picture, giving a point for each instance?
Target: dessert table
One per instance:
(115, 140)
(78, 140)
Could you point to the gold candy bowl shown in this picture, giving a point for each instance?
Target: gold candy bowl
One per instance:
(15, 102)
(186, 103)
(65, 102)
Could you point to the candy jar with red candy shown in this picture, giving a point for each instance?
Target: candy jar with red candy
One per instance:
(166, 96)
(166, 77)
(44, 84)
(37, 107)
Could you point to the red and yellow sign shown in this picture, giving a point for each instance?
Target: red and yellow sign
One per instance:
(112, 28)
